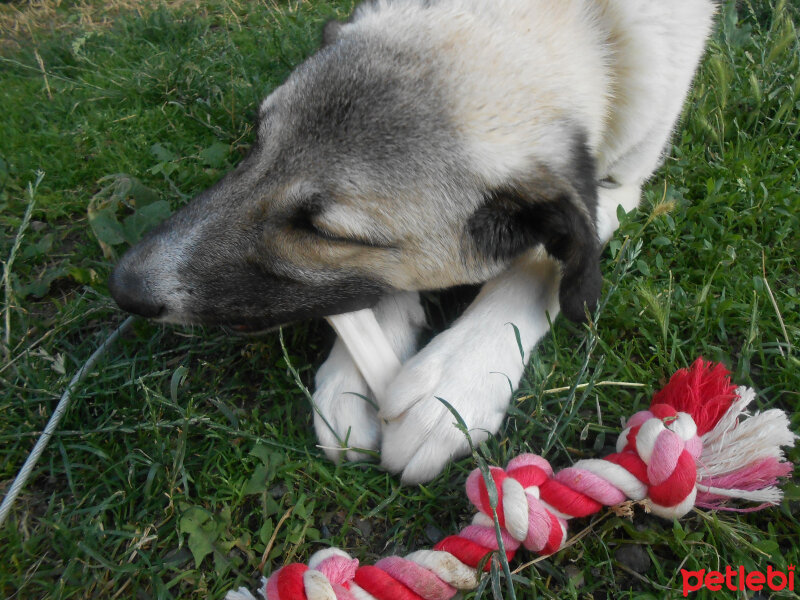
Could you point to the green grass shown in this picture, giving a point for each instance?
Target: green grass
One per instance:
(182, 453)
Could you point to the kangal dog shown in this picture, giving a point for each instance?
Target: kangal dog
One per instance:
(430, 143)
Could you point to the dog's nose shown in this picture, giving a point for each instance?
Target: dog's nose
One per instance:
(131, 293)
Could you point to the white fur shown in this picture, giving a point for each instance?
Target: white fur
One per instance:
(474, 365)
(340, 387)
(620, 69)
(516, 71)
(369, 348)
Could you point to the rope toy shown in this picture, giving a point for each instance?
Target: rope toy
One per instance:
(690, 448)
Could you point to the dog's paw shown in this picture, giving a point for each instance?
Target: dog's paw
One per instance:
(344, 419)
(472, 369)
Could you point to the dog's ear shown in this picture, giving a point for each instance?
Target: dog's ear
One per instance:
(556, 212)
(330, 32)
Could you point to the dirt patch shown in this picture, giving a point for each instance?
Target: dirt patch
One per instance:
(21, 22)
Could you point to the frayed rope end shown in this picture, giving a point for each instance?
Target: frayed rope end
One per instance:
(742, 454)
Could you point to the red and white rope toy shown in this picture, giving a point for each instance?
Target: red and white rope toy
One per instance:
(691, 448)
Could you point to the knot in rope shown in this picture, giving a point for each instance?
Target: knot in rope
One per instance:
(666, 442)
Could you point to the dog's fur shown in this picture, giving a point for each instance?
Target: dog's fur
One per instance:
(431, 143)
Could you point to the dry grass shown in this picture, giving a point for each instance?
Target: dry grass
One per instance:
(22, 22)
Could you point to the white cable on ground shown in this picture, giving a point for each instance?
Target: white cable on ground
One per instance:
(63, 404)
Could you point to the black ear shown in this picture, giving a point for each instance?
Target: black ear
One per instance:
(330, 32)
(556, 213)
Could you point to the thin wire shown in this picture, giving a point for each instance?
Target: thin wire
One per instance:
(22, 477)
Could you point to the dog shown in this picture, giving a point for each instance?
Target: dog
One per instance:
(429, 144)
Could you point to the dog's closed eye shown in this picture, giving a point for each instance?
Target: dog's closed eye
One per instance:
(311, 220)
(307, 220)
(321, 231)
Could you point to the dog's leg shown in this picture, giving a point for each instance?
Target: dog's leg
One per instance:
(473, 365)
(608, 199)
(476, 363)
(340, 388)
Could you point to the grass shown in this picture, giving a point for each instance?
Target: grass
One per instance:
(187, 462)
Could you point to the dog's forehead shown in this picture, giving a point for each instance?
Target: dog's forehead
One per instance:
(359, 97)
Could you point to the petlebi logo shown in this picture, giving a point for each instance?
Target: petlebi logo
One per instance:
(737, 579)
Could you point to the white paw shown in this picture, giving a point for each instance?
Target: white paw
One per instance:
(472, 368)
(343, 420)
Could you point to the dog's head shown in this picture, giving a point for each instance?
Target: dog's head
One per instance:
(361, 181)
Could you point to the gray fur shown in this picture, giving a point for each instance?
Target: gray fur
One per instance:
(365, 125)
